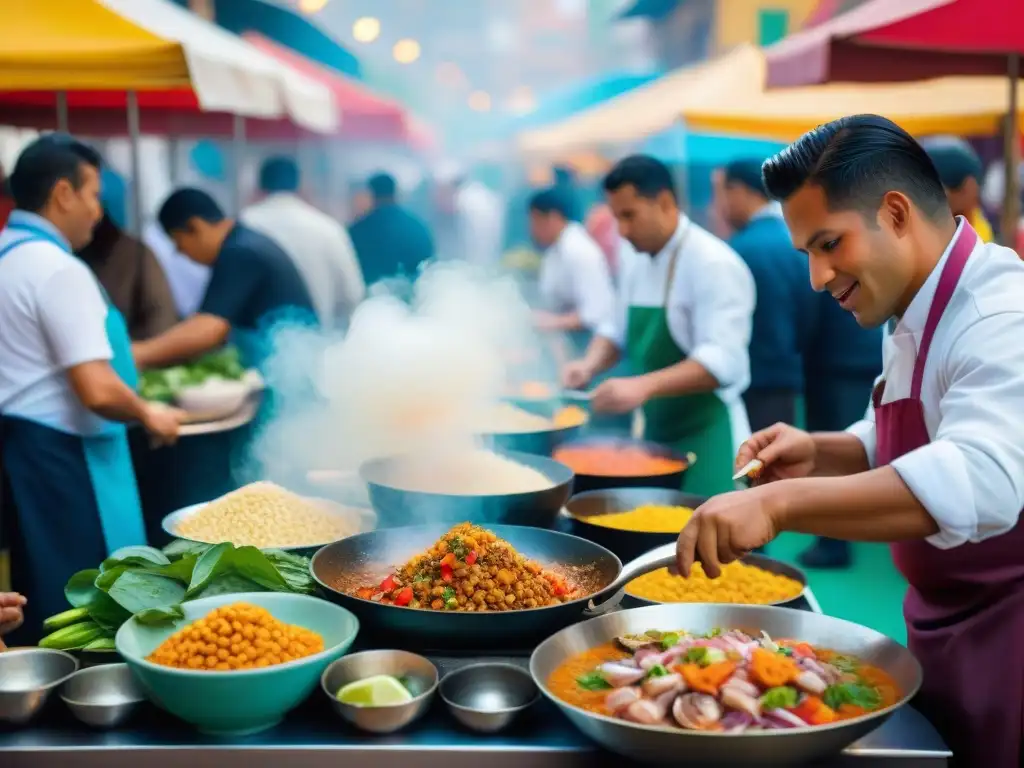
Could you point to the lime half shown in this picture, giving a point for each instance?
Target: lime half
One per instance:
(377, 691)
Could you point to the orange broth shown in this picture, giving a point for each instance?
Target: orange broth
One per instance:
(626, 461)
(562, 682)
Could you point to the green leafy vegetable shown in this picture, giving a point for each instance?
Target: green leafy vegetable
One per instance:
(669, 639)
(857, 694)
(164, 384)
(593, 681)
(658, 670)
(782, 697)
(81, 588)
(137, 591)
(704, 656)
(160, 615)
(844, 663)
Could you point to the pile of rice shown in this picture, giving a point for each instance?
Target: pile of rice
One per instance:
(266, 516)
(468, 473)
(507, 419)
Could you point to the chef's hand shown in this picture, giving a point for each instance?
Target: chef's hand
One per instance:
(576, 375)
(785, 451)
(546, 321)
(11, 615)
(620, 395)
(163, 423)
(727, 527)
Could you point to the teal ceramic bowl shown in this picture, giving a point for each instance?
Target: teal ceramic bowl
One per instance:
(244, 701)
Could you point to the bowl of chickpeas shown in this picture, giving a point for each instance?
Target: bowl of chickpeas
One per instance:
(237, 664)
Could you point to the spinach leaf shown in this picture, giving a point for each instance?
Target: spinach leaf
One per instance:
(254, 565)
(857, 694)
(137, 591)
(593, 681)
(107, 578)
(206, 568)
(81, 588)
(230, 584)
(181, 570)
(107, 612)
(152, 616)
(183, 547)
(136, 556)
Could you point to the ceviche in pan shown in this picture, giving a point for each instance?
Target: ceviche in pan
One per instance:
(724, 681)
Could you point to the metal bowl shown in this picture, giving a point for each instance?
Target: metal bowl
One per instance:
(104, 696)
(27, 676)
(487, 697)
(759, 749)
(363, 519)
(628, 545)
(398, 507)
(417, 674)
(541, 442)
(672, 480)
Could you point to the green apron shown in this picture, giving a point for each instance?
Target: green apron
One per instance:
(697, 423)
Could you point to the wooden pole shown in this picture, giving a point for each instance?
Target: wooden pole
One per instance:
(1011, 153)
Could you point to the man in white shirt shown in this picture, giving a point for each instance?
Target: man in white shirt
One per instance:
(939, 469)
(319, 246)
(67, 383)
(479, 215)
(683, 320)
(575, 282)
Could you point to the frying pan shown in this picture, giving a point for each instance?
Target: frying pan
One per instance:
(674, 480)
(367, 558)
(785, 747)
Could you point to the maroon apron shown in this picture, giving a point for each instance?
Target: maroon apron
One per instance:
(965, 606)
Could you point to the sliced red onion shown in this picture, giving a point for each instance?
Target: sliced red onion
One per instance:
(657, 686)
(645, 653)
(736, 699)
(620, 698)
(645, 712)
(737, 722)
(742, 685)
(785, 717)
(696, 711)
(810, 682)
(619, 675)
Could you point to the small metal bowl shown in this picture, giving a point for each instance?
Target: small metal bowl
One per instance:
(103, 696)
(27, 676)
(417, 674)
(487, 697)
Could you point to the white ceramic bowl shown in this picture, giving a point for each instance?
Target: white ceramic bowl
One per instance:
(213, 399)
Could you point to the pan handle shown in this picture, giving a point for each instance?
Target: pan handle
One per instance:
(659, 557)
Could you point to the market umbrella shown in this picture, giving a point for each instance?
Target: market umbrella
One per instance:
(900, 40)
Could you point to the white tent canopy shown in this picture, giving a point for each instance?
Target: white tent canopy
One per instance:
(230, 75)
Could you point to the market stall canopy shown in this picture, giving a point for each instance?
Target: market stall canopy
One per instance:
(901, 40)
(966, 106)
(365, 115)
(97, 50)
(646, 110)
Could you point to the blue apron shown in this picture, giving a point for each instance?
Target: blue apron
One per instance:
(48, 470)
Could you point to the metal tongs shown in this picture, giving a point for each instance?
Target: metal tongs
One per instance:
(751, 471)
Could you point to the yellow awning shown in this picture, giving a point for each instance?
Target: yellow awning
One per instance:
(955, 105)
(645, 110)
(52, 45)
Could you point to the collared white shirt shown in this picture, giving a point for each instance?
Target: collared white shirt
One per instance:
(574, 277)
(52, 317)
(710, 309)
(480, 225)
(319, 247)
(970, 477)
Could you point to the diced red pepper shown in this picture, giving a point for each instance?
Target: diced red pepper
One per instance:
(388, 584)
(802, 650)
(448, 559)
(471, 558)
(814, 711)
(561, 589)
(365, 592)
(446, 572)
(404, 596)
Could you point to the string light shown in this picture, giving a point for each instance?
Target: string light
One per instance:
(366, 29)
(406, 51)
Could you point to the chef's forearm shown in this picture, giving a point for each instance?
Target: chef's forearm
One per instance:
(871, 506)
(839, 454)
(602, 354)
(568, 322)
(98, 387)
(686, 378)
(188, 339)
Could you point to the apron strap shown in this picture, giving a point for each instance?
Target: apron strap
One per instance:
(673, 260)
(948, 280)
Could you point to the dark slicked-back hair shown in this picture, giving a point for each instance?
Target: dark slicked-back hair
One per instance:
(856, 160)
(382, 186)
(43, 163)
(551, 200)
(747, 173)
(185, 204)
(649, 176)
(279, 174)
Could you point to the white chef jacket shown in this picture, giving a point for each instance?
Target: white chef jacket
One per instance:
(574, 277)
(970, 478)
(319, 247)
(710, 309)
(52, 317)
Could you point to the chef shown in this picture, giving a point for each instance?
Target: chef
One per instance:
(67, 383)
(683, 321)
(938, 469)
(575, 282)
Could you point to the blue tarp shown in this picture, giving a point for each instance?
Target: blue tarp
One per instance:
(677, 145)
(287, 28)
(649, 9)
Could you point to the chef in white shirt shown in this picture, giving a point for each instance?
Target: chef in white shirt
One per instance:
(575, 282)
(318, 245)
(683, 320)
(938, 470)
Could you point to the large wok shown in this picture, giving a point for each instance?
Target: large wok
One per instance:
(669, 745)
(398, 506)
(367, 558)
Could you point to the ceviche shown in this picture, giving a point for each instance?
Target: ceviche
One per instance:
(471, 569)
(726, 681)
